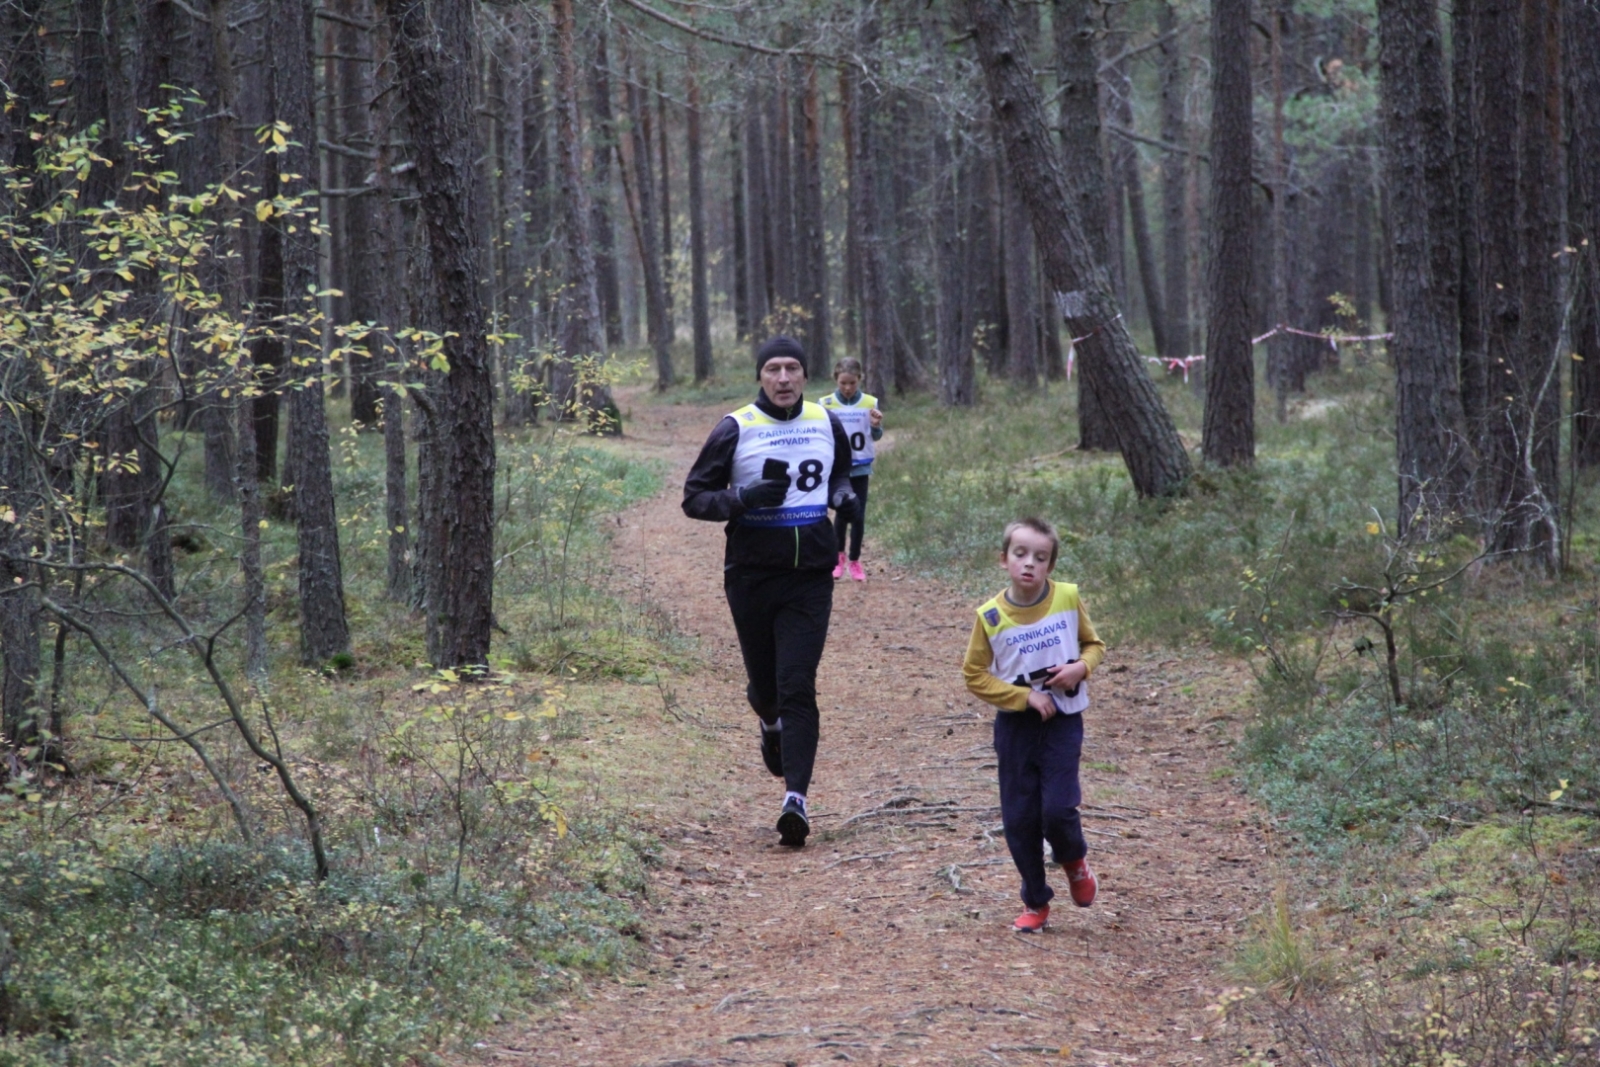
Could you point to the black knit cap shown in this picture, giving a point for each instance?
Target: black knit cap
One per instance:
(774, 347)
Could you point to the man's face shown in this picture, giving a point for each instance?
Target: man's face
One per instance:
(783, 379)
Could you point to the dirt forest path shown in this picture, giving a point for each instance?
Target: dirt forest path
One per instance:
(886, 940)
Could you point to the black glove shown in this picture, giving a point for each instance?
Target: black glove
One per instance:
(767, 493)
(846, 504)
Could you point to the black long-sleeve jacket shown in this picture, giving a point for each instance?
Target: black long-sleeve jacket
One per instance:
(707, 495)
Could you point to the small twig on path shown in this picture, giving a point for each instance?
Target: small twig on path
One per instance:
(763, 1036)
(866, 856)
(923, 810)
(733, 998)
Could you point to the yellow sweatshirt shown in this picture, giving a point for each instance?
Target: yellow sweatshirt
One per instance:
(1001, 693)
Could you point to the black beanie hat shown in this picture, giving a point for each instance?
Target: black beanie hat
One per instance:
(774, 347)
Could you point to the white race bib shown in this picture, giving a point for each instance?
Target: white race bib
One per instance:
(804, 444)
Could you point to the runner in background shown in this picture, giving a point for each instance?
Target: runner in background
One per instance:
(771, 470)
(863, 424)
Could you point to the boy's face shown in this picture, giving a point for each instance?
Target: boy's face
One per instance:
(1027, 561)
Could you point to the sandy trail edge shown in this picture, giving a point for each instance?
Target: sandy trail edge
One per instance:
(886, 940)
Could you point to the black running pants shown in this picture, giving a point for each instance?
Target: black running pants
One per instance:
(781, 617)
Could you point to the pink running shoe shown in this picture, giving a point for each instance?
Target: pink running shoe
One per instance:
(838, 569)
(1082, 882)
(856, 572)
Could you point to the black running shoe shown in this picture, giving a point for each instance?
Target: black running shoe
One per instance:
(772, 751)
(793, 826)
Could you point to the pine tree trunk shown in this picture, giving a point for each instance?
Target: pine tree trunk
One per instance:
(1583, 232)
(1433, 455)
(953, 330)
(742, 326)
(323, 631)
(582, 332)
(1022, 296)
(1149, 442)
(435, 85)
(1078, 118)
(669, 252)
(1229, 432)
(757, 208)
(604, 233)
(19, 591)
(700, 297)
(876, 330)
(642, 200)
(1175, 230)
(813, 249)
(367, 272)
(1467, 131)
(1127, 182)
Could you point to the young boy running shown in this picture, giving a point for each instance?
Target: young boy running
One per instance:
(1031, 651)
(863, 424)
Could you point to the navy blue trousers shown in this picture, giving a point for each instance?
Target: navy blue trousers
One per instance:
(781, 618)
(1039, 793)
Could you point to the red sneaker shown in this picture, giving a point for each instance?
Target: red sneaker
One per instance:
(1081, 881)
(1032, 920)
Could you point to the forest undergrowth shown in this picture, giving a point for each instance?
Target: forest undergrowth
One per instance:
(475, 860)
(1424, 724)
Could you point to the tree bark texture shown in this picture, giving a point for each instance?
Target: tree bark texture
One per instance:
(1583, 231)
(876, 329)
(1149, 442)
(1520, 103)
(812, 230)
(658, 322)
(1174, 229)
(1432, 450)
(1078, 118)
(323, 630)
(699, 283)
(1229, 431)
(604, 233)
(756, 207)
(582, 334)
(1022, 293)
(429, 46)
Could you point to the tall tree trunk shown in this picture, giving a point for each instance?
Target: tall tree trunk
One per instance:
(1174, 230)
(603, 232)
(429, 45)
(1022, 295)
(1583, 231)
(1078, 118)
(1149, 442)
(19, 589)
(953, 332)
(643, 206)
(1126, 178)
(699, 285)
(1283, 372)
(323, 631)
(742, 326)
(757, 202)
(1467, 130)
(1229, 432)
(876, 329)
(669, 253)
(1520, 101)
(813, 230)
(1430, 432)
(367, 271)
